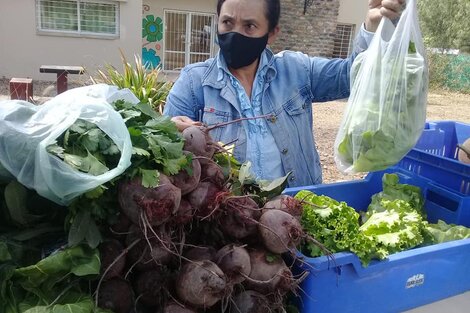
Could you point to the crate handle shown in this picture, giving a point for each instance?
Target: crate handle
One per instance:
(442, 197)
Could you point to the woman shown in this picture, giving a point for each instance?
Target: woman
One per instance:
(246, 79)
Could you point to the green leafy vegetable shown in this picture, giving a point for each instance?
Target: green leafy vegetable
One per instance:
(386, 116)
(393, 190)
(394, 228)
(443, 232)
(157, 147)
(245, 182)
(392, 222)
(335, 225)
(51, 285)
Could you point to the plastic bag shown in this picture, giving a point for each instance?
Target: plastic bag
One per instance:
(26, 130)
(386, 110)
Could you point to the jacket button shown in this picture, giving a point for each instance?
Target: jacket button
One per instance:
(284, 151)
(292, 177)
(273, 119)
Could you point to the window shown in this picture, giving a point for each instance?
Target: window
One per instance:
(189, 38)
(343, 40)
(78, 17)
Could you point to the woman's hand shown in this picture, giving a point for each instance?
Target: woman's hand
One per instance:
(183, 122)
(379, 8)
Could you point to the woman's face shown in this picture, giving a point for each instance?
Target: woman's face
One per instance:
(247, 17)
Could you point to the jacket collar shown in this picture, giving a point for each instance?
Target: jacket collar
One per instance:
(214, 74)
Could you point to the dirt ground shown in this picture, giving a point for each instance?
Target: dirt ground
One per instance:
(327, 118)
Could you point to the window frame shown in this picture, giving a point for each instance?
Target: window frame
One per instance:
(342, 45)
(187, 52)
(79, 33)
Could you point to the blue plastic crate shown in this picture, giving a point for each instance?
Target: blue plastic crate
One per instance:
(445, 172)
(442, 137)
(403, 281)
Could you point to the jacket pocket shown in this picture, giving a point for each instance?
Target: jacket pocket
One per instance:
(213, 117)
(299, 104)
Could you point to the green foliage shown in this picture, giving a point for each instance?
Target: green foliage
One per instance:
(443, 232)
(437, 27)
(395, 227)
(86, 148)
(383, 124)
(157, 148)
(449, 72)
(144, 83)
(50, 285)
(392, 222)
(446, 25)
(245, 183)
(334, 224)
(393, 190)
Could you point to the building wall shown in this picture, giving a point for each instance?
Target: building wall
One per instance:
(153, 28)
(353, 12)
(312, 33)
(23, 51)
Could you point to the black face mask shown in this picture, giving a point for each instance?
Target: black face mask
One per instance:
(239, 50)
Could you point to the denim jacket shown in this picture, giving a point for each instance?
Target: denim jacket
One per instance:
(293, 82)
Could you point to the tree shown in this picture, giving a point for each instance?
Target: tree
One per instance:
(445, 23)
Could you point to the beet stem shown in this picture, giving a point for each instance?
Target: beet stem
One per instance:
(256, 280)
(122, 254)
(176, 300)
(134, 265)
(218, 199)
(148, 226)
(230, 142)
(209, 128)
(118, 233)
(72, 284)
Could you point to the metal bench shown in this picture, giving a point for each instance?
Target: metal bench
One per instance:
(62, 72)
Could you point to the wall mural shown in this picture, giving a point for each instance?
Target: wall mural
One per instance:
(152, 34)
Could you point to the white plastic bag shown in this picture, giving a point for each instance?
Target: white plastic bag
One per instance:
(386, 110)
(26, 130)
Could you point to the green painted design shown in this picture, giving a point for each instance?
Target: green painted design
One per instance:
(150, 58)
(152, 28)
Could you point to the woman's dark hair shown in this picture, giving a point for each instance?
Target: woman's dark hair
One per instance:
(273, 11)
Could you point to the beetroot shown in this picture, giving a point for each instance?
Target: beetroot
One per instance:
(280, 231)
(148, 287)
(201, 254)
(269, 273)
(287, 204)
(198, 141)
(204, 199)
(250, 301)
(186, 182)
(239, 219)
(174, 307)
(109, 252)
(201, 284)
(121, 227)
(184, 214)
(212, 172)
(158, 204)
(116, 295)
(234, 261)
(142, 256)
